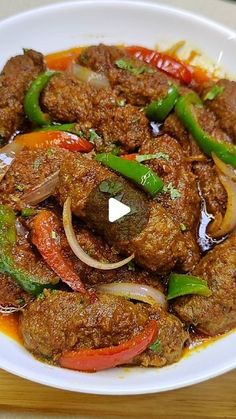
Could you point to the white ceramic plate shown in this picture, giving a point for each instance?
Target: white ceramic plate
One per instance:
(65, 25)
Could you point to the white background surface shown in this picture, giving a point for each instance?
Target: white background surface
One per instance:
(224, 12)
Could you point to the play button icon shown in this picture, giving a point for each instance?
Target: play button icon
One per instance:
(117, 210)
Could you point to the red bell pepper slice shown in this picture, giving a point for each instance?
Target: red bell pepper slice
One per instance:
(164, 62)
(46, 139)
(92, 360)
(61, 60)
(45, 236)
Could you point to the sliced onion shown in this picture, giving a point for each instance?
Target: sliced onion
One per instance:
(225, 169)
(41, 191)
(229, 221)
(98, 80)
(140, 292)
(77, 249)
(8, 154)
(10, 309)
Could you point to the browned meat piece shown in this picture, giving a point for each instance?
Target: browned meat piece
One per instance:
(176, 170)
(11, 294)
(182, 201)
(204, 169)
(30, 168)
(97, 248)
(15, 78)
(159, 246)
(215, 314)
(68, 99)
(224, 106)
(211, 187)
(136, 89)
(63, 321)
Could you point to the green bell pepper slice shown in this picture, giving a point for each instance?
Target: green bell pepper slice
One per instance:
(32, 97)
(159, 109)
(32, 284)
(138, 173)
(184, 109)
(180, 284)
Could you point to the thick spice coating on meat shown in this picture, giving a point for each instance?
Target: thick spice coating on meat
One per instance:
(217, 313)
(159, 246)
(63, 321)
(11, 294)
(176, 172)
(15, 78)
(224, 106)
(204, 169)
(30, 168)
(68, 99)
(97, 248)
(137, 89)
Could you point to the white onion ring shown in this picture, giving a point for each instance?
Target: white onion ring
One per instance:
(8, 154)
(225, 169)
(77, 249)
(10, 309)
(227, 176)
(98, 80)
(41, 191)
(229, 221)
(140, 292)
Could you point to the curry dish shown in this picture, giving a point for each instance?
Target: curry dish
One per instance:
(157, 134)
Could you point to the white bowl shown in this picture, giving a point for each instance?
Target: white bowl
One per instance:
(87, 22)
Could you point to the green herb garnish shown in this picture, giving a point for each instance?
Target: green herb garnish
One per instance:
(55, 236)
(156, 346)
(131, 266)
(49, 152)
(37, 163)
(111, 187)
(128, 65)
(174, 193)
(121, 102)
(28, 212)
(183, 227)
(213, 92)
(93, 136)
(19, 188)
(144, 157)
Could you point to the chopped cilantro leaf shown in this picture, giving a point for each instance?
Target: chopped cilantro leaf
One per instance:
(19, 188)
(37, 163)
(183, 227)
(213, 92)
(125, 64)
(121, 102)
(131, 266)
(111, 187)
(93, 136)
(156, 347)
(28, 212)
(21, 302)
(49, 152)
(144, 157)
(115, 150)
(55, 236)
(174, 193)
(79, 133)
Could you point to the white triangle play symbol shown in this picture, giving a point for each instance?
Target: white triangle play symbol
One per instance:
(116, 210)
